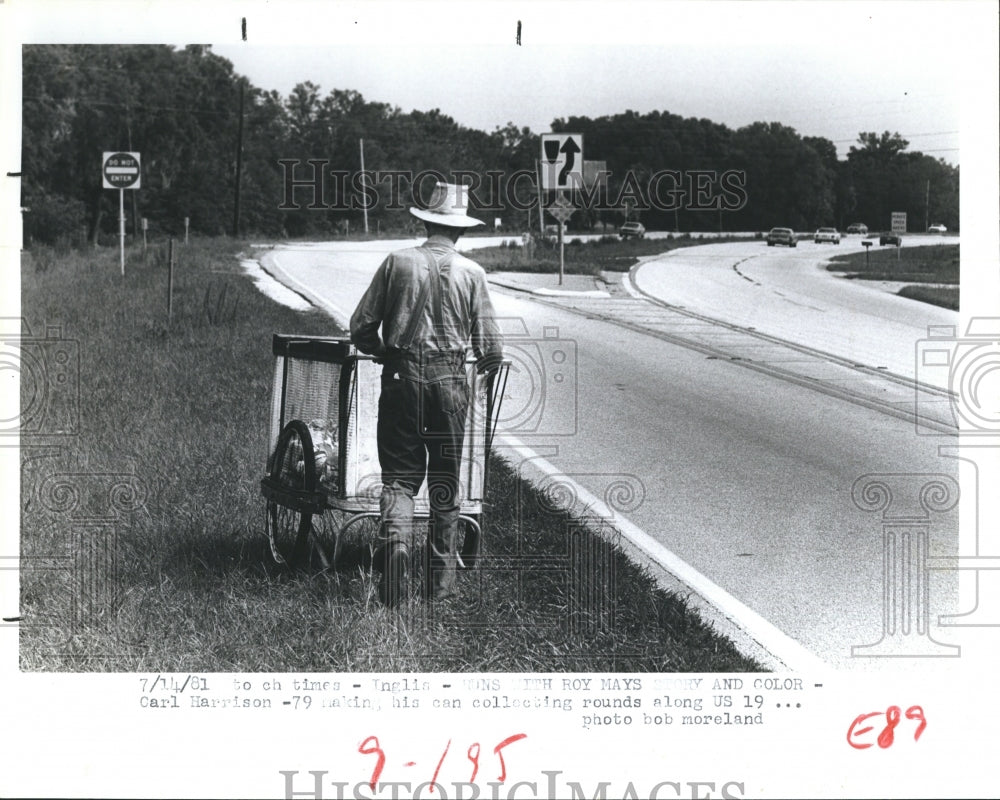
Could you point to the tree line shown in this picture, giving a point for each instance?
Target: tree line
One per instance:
(182, 110)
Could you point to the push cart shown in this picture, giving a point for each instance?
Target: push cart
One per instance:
(323, 474)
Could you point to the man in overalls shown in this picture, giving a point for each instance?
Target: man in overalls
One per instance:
(431, 304)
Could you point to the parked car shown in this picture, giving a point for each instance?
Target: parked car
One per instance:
(781, 236)
(858, 227)
(937, 229)
(827, 235)
(890, 238)
(636, 229)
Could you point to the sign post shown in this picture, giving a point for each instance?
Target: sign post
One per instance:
(899, 228)
(121, 171)
(562, 210)
(121, 226)
(867, 245)
(562, 170)
(541, 205)
(170, 281)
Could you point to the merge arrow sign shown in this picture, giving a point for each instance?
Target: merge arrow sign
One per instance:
(570, 148)
(562, 160)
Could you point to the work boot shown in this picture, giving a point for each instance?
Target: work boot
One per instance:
(393, 585)
(442, 557)
(440, 578)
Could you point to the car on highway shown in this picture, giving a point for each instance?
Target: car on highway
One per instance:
(937, 229)
(781, 236)
(636, 229)
(890, 238)
(826, 235)
(858, 227)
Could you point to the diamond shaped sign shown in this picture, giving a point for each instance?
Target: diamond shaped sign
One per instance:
(561, 208)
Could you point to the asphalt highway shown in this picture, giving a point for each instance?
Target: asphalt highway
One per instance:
(745, 476)
(788, 292)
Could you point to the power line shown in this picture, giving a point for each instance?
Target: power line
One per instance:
(136, 106)
(906, 136)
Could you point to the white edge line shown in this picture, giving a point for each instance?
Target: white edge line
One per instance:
(568, 293)
(629, 288)
(340, 317)
(776, 643)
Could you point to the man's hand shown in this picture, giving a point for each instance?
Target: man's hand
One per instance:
(384, 354)
(489, 364)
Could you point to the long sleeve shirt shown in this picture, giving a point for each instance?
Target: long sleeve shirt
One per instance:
(467, 313)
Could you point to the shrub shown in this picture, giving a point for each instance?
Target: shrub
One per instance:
(53, 219)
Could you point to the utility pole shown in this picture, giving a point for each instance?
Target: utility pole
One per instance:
(135, 210)
(239, 168)
(927, 207)
(364, 203)
(541, 213)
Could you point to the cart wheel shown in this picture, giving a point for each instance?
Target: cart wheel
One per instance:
(292, 466)
(472, 546)
(288, 534)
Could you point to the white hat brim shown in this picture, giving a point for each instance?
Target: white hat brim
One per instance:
(451, 220)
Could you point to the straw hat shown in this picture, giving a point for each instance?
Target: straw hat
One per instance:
(447, 206)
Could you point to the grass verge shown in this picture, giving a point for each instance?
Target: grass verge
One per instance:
(609, 253)
(930, 264)
(142, 525)
(944, 296)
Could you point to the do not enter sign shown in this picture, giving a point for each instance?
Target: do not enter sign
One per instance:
(121, 171)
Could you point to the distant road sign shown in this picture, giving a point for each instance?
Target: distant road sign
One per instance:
(899, 222)
(121, 171)
(561, 208)
(562, 160)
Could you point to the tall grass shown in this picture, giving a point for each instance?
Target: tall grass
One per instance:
(142, 533)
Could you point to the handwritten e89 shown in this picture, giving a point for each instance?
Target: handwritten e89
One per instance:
(856, 734)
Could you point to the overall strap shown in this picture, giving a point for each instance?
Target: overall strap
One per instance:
(432, 287)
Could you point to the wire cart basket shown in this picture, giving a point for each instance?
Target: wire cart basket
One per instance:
(323, 473)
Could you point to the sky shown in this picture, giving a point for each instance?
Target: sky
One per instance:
(830, 71)
(533, 85)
